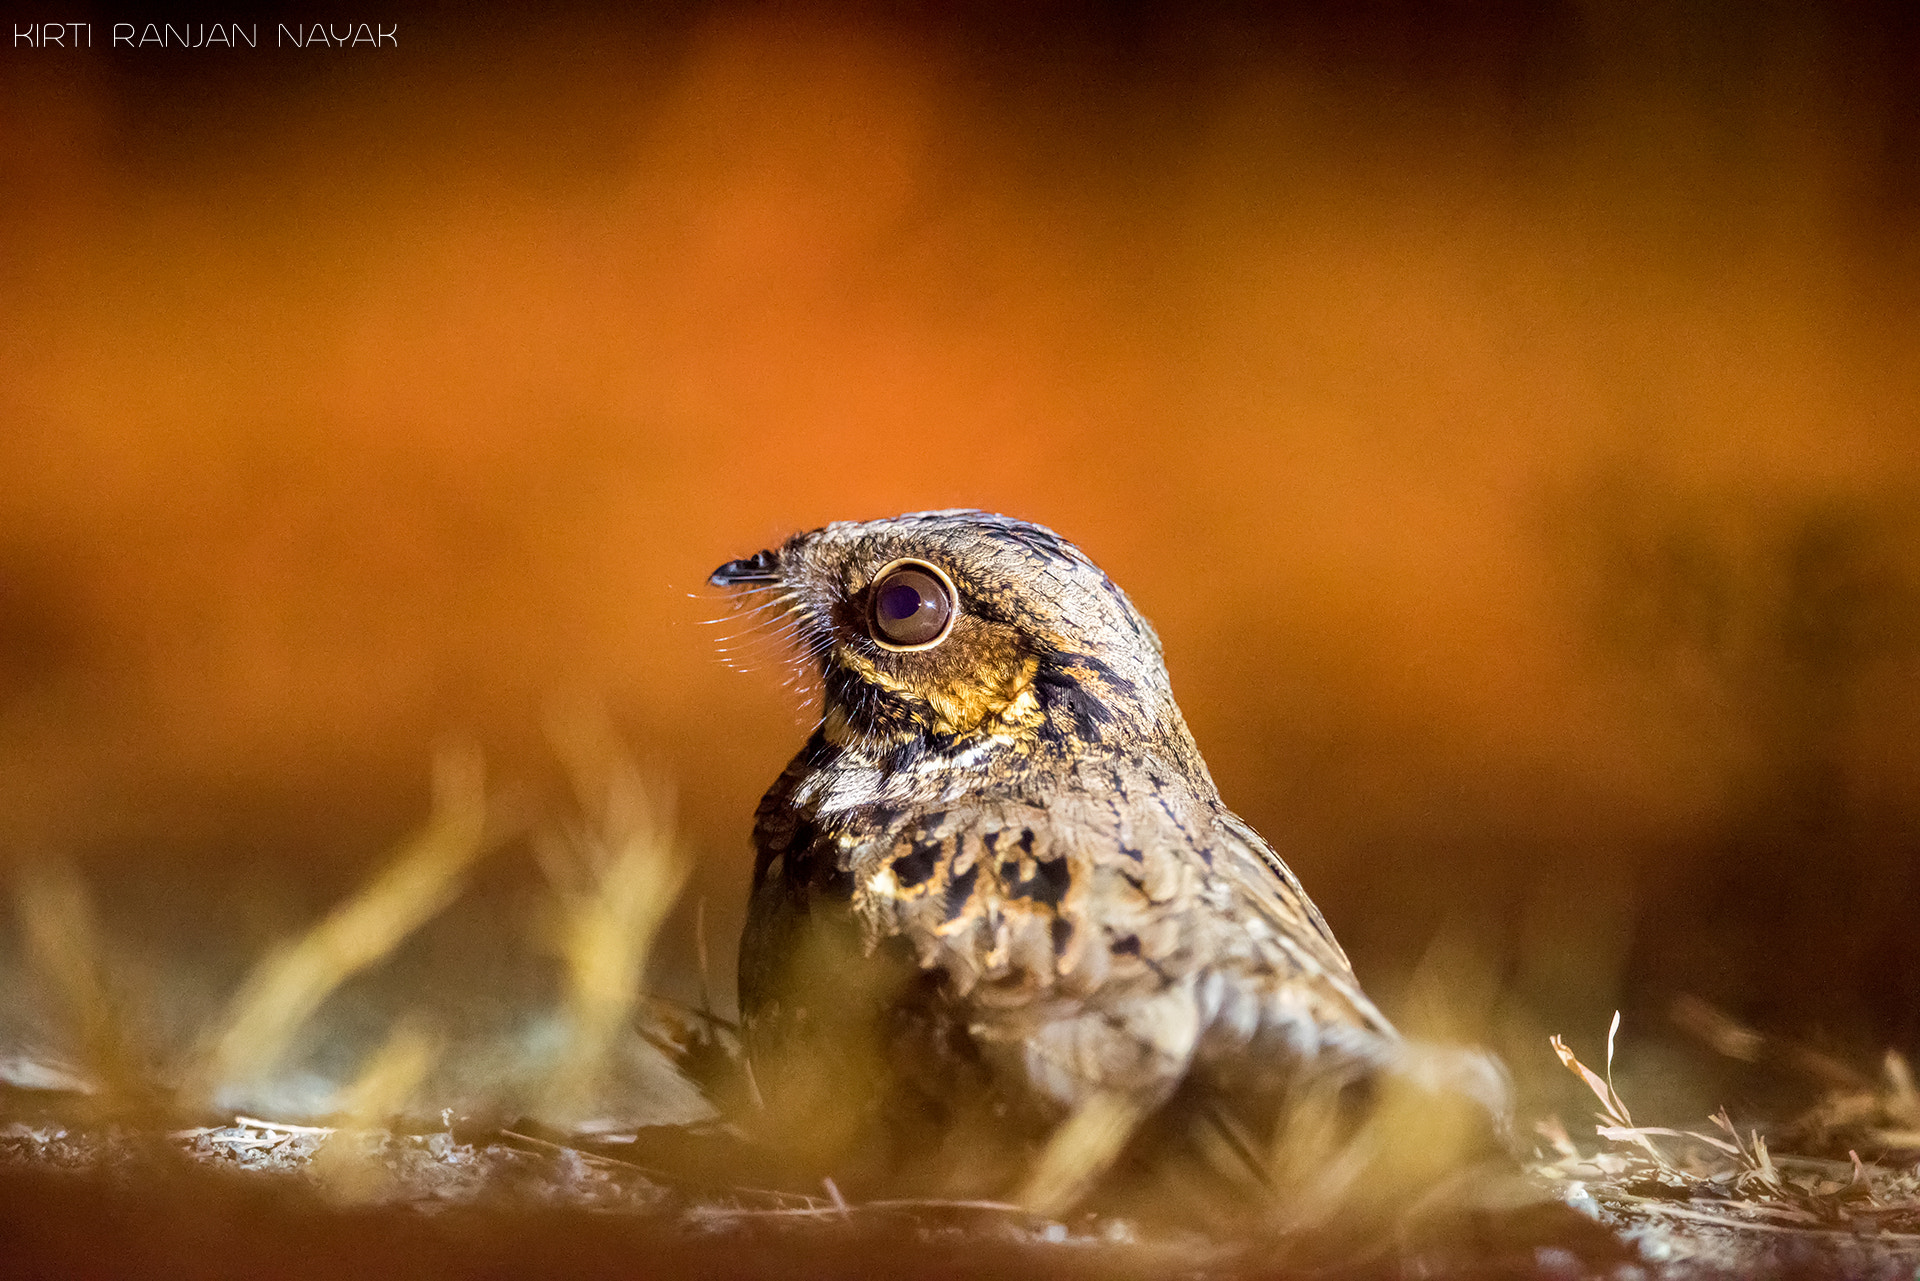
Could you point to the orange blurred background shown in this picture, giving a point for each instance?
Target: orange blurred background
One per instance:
(1508, 416)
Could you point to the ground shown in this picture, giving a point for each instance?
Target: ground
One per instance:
(226, 1150)
(253, 1197)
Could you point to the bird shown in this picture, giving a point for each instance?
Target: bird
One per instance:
(1002, 928)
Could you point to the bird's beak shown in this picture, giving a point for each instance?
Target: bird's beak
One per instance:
(761, 567)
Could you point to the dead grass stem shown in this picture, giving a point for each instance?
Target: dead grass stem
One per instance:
(289, 985)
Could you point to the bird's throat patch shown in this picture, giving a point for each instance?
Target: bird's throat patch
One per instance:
(956, 701)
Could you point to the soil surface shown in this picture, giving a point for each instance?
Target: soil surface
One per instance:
(256, 1198)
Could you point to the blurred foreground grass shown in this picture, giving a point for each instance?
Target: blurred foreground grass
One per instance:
(599, 1140)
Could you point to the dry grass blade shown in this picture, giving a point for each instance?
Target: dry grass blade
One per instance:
(1699, 1019)
(1419, 1152)
(1900, 1083)
(1616, 1107)
(1634, 1134)
(287, 987)
(1763, 1161)
(617, 878)
(1602, 1089)
(1733, 1039)
(347, 1163)
(1738, 1182)
(278, 1126)
(1550, 1129)
(64, 952)
(1856, 1109)
(391, 1078)
(1078, 1153)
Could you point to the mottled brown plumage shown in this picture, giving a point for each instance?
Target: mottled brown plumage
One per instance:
(998, 883)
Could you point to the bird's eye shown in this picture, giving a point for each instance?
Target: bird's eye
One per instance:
(913, 605)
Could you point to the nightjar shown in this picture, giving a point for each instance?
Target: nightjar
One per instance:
(997, 898)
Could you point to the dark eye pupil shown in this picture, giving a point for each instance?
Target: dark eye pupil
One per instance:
(911, 607)
(900, 602)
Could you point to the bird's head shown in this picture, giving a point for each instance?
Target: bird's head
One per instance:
(951, 628)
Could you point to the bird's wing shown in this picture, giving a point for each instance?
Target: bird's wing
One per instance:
(1087, 911)
(1292, 942)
